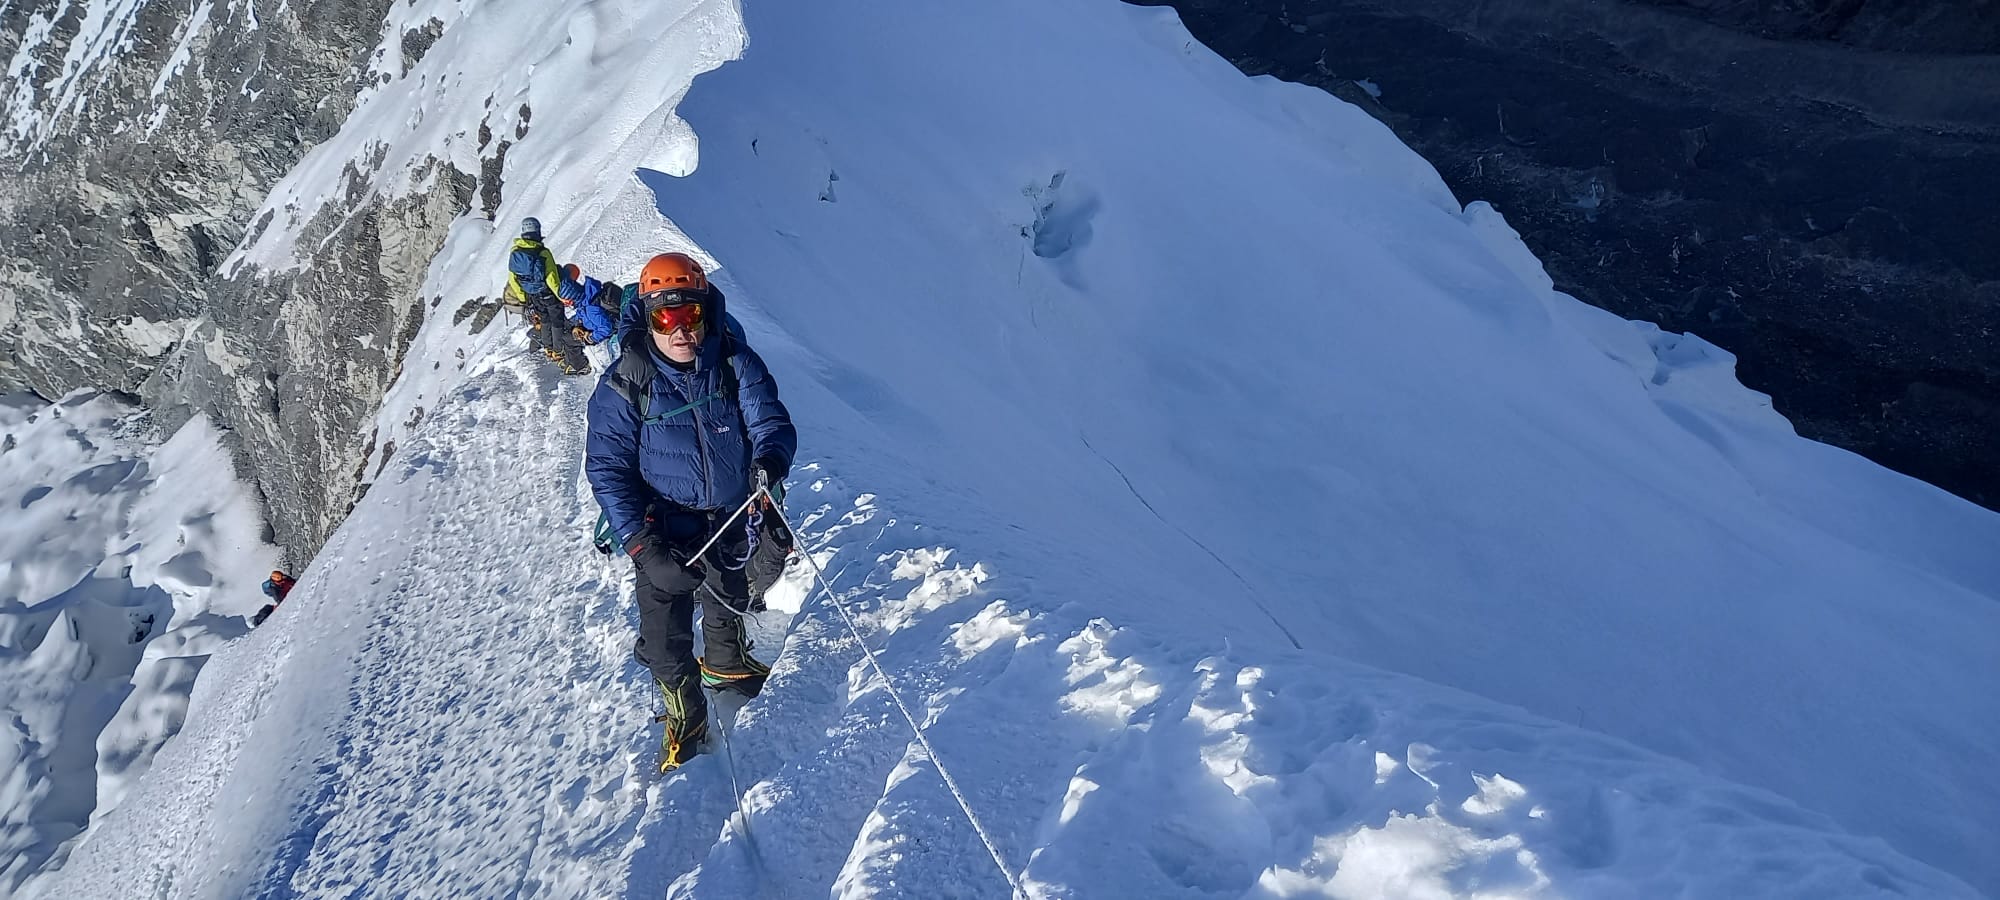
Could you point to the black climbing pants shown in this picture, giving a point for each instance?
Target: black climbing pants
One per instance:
(551, 333)
(666, 620)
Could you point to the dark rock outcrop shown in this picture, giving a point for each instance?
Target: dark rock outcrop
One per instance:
(1810, 185)
(137, 173)
(1948, 26)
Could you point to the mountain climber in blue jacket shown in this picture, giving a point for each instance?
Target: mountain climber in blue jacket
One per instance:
(596, 303)
(535, 282)
(684, 431)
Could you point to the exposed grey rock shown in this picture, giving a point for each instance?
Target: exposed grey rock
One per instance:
(480, 310)
(418, 41)
(123, 208)
(1761, 174)
(491, 165)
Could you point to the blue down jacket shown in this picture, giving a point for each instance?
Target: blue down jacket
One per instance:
(596, 304)
(698, 461)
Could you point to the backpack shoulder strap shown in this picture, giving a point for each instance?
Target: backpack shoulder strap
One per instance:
(732, 378)
(632, 378)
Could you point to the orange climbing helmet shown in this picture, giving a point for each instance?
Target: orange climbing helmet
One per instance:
(672, 272)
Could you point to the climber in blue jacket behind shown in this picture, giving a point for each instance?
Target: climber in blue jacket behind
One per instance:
(597, 304)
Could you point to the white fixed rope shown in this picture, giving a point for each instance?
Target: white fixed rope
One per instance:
(950, 783)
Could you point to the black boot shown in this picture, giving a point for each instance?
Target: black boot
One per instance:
(686, 719)
(728, 664)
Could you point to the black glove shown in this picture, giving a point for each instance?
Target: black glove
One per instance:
(659, 568)
(770, 477)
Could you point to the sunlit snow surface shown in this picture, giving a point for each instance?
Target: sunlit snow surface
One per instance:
(122, 567)
(1242, 516)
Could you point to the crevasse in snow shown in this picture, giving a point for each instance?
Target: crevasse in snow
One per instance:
(1243, 515)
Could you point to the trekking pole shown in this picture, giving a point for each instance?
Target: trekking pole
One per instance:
(937, 762)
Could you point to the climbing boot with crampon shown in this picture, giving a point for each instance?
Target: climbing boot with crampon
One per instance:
(728, 665)
(686, 727)
(567, 364)
(746, 677)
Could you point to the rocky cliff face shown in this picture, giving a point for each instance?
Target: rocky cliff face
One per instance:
(1939, 26)
(1809, 184)
(143, 136)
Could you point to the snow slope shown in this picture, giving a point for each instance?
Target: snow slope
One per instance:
(123, 565)
(1242, 516)
(1257, 377)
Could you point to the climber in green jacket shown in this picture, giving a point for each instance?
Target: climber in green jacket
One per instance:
(534, 282)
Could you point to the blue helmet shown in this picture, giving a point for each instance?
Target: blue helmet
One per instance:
(531, 227)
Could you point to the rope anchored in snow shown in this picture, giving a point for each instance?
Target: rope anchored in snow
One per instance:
(756, 858)
(937, 762)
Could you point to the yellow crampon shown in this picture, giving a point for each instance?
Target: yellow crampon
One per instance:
(677, 749)
(562, 362)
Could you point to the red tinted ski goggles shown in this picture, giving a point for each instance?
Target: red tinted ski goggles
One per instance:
(675, 313)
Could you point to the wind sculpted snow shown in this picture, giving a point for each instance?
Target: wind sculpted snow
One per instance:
(447, 707)
(1271, 384)
(1240, 515)
(124, 562)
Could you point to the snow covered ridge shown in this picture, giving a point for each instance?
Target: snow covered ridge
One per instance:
(565, 110)
(555, 118)
(471, 724)
(122, 567)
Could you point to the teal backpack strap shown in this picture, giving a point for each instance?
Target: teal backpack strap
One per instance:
(633, 380)
(676, 410)
(602, 536)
